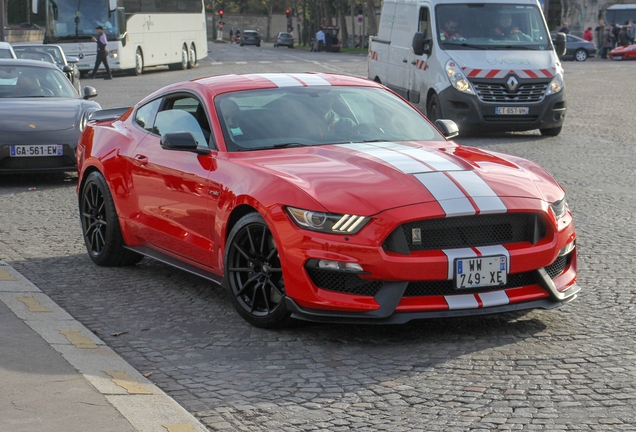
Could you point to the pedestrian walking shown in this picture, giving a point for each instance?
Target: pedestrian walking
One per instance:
(231, 34)
(102, 53)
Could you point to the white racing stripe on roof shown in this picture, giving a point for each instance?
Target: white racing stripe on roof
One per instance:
(311, 80)
(401, 162)
(486, 199)
(282, 80)
(448, 195)
(453, 254)
(437, 162)
(494, 298)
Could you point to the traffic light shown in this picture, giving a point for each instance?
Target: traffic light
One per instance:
(288, 13)
(221, 14)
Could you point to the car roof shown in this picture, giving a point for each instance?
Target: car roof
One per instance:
(5, 45)
(33, 63)
(220, 84)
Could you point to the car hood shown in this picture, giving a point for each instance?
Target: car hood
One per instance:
(526, 64)
(39, 114)
(378, 176)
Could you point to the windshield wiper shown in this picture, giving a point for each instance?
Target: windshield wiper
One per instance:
(479, 47)
(275, 146)
(514, 47)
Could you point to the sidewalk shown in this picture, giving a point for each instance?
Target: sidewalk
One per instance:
(56, 375)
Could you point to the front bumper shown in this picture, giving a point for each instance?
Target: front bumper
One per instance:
(65, 162)
(470, 113)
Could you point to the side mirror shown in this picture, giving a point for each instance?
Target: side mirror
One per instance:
(448, 128)
(182, 141)
(560, 44)
(421, 45)
(67, 69)
(72, 60)
(89, 92)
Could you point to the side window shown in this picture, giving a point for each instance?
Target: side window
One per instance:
(423, 23)
(145, 116)
(184, 114)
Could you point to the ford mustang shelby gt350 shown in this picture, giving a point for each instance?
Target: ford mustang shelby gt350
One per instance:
(322, 197)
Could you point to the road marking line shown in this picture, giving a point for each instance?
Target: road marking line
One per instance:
(265, 61)
(32, 304)
(6, 276)
(216, 63)
(77, 339)
(121, 379)
(241, 62)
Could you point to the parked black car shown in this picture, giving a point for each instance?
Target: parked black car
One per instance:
(250, 37)
(577, 48)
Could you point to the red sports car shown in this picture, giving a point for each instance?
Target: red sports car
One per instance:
(322, 197)
(623, 53)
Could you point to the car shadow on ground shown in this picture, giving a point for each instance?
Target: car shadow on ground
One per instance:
(31, 182)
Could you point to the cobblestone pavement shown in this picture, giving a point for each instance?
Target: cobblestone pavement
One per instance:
(572, 368)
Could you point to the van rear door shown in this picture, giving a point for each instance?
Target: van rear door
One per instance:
(400, 55)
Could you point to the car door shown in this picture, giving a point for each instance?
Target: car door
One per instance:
(172, 187)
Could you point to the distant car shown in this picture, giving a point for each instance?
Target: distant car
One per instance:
(6, 51)
(250, 37)
(623, 53)
(358, 210)
(284, 39)
(41, 117)
(577, 48)
(68, 65)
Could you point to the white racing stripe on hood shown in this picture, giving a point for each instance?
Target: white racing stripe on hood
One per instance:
(282, 80)
(311, 80)
(437, 162)
(486, 199)
(406, 164)
(448, 195)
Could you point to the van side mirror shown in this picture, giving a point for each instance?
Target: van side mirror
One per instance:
(421, 45)
(448, 128)
(560, 44)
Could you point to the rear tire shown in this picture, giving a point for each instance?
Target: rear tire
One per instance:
(580, 55)
(192, 57)
(100, 225)
(551, 131)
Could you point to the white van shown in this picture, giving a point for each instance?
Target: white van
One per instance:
(485, 65)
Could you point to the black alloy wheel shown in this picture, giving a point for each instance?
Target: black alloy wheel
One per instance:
(100, 225)
(253, 273)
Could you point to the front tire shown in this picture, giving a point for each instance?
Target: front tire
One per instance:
(139, 63)
(580, 55)
(253, 273)
(551, 131)
(433, 109)
(100, 225)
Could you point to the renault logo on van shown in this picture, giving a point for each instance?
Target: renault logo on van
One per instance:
(512, 83)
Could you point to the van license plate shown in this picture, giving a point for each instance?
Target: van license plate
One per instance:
(512, 110)
(480, 272)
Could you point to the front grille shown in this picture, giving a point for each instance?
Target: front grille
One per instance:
(498, 93)
(557, 267)
(343, 282)
(510, 118)
(467, 231)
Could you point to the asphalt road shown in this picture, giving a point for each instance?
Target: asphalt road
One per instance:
(572, 368)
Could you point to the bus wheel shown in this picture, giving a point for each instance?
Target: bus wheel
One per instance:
(139, 63)
(184, 59)
(192, 59)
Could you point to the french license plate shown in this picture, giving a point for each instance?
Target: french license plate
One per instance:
(618, 58)
(480, 272)
(36, 150)
(512, 110)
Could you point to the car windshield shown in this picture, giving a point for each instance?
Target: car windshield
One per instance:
(491, 26)
(34, 82)
(318, 115)
(54, 52)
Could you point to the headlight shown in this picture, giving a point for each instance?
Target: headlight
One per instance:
(559, 208)
(113, 54)
(328, 222)
(84, 118)
(457, 78)
(556, 85)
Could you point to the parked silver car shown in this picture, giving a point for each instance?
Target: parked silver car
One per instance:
(45, 52)
(284, 39)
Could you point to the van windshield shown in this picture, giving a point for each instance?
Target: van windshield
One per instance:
(491, 26)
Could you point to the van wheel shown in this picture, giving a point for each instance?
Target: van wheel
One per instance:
(433, 109)
(551, 131)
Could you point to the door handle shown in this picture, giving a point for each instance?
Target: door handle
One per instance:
(141, 159)
(413, 62)
(405, 60)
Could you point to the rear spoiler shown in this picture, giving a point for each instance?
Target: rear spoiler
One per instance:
(107, 114)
